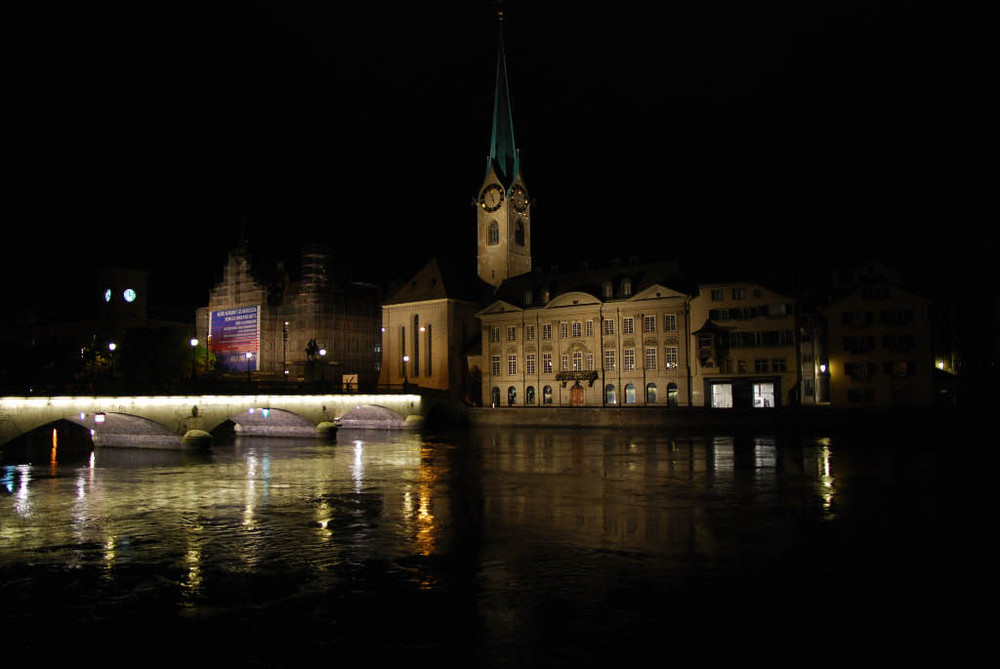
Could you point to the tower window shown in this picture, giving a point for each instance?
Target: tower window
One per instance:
(494, 233)
(519, 233)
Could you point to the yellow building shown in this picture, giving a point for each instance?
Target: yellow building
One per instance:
(879, 344)
(612, 337)
(744, 347)
(427, 326)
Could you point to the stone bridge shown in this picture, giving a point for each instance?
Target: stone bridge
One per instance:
(166, 422)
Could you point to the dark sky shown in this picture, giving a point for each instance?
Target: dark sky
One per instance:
(728, 135)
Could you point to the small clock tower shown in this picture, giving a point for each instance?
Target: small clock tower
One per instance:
(503, 206)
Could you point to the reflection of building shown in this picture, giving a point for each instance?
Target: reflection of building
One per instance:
(276, 323)
(879, 342)
(592, 338)
(744, 347)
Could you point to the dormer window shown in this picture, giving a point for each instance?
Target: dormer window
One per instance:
(627, 288)
(527, 297)
(606, 290)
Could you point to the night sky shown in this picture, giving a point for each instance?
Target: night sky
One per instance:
(735, 138)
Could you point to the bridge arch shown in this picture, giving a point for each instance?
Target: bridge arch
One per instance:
(371, 417)
(270, 422)
(112, 428)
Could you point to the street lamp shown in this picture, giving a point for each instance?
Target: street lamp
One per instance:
(249, 357)
(194, 344)
(284, 350)
(322, 364)
(406, 364)
(111, 354)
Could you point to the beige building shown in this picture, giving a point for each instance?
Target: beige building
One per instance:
(879, 344)
(615, 337)
(427, 326)
(744, 347)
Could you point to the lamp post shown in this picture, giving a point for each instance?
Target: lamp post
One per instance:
(111, 354)
(194, 344)
(284, 351)
(322, 365)
(249, 357)
(406, 364)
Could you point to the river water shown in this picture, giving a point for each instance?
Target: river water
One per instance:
(498, 548)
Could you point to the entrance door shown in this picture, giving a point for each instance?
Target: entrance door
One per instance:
(576, 395)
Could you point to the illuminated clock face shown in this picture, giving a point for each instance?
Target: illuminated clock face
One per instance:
(491, 198)
(520, 198)
(107, 295)
(129, 295)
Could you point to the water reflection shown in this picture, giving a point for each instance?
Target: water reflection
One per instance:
(517, 537)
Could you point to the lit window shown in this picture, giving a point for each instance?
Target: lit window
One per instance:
(670, 357)
(577, 362)
(546, 363)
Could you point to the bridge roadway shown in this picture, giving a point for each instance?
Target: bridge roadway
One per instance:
(166, 422)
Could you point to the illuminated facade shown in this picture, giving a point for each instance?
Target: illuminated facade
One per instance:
(427, 325)
(603, 337)
(744, 347)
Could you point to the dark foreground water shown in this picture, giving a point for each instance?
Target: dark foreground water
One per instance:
(501, 548)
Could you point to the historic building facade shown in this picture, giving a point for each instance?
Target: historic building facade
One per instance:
(427, 326)
(612, 337)
(744, 346)
(316, 329)
(879, 342)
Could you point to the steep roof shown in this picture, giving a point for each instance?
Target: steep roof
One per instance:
(441, 280)
(503, 153)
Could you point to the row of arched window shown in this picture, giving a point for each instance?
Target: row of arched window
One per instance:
(610, 395)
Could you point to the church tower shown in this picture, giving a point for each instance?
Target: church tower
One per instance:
(503, 206)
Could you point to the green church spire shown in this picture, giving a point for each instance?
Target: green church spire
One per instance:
(503, 153)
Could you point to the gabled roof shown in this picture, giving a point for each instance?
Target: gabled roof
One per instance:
(438, 281)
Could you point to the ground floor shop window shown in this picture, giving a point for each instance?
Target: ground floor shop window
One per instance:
(651, 393)
(763, 395)
(722, 396)
(610, 397)
(629, 394)
(672, 394)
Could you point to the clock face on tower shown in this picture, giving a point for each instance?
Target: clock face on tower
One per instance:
(520, 198)
(129, 295)
(491, 197)
(107, 295)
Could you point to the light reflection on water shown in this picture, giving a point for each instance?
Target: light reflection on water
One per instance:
(519, 539)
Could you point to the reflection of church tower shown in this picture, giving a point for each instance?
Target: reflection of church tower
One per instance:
(504, 221)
